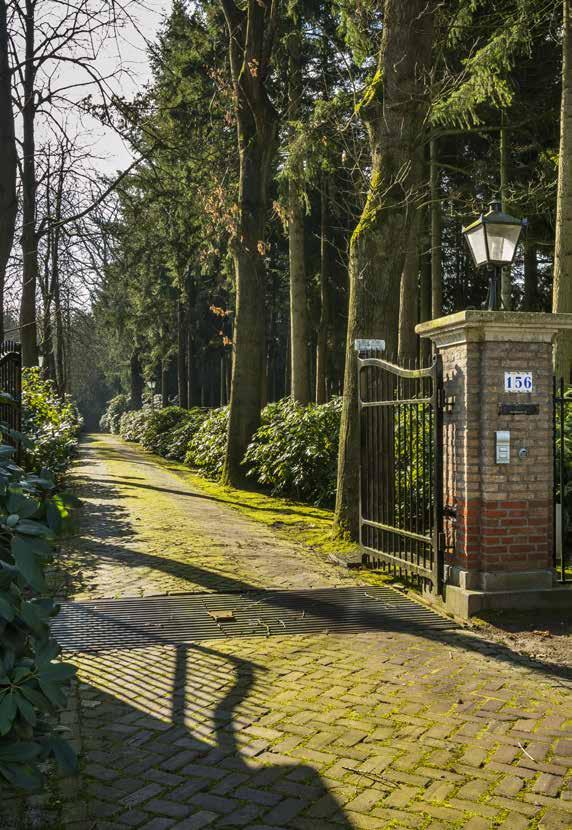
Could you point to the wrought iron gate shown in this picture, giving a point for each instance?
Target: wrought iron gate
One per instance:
(401, 480)
(562, 548)
(11, 382)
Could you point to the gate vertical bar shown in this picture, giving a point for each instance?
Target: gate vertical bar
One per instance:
(361, 464)
(555, 472)
(438, 553)
(561, 406)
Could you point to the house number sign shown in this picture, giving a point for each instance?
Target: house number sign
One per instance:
(518, 382)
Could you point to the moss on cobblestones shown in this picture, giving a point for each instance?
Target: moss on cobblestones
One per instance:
(351, 731)
(306, 524)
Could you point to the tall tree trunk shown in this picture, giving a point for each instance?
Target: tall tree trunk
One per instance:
(136, 379)
(49, 365)
(250, 46)
(61, 379)
(396, 108)
(562, 289)
(182, 347)
(189, 364)
(8, 167)
(53, 245)
(409, 294)
(325, 283)
(425, 281)
(165, 381)
(28, 327)
(506, 273)
(530, 297)
(296, 252)
(436, 223)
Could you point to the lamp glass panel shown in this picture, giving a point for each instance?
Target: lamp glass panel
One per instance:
(502, 239)
(477, 244)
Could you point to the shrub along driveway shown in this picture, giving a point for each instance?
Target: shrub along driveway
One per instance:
(392, 729)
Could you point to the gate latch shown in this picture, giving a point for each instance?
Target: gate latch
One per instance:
(450, 512)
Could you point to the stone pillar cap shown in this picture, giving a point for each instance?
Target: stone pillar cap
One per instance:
(478, 324)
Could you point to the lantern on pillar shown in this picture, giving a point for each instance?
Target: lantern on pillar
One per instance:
(492, 240)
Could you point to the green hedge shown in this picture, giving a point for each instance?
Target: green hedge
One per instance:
(132, 425)
(207, 447)
(111, 419)
(166, 432)
(181, 435)
(295, 450)
(159, 425)
(50, 424)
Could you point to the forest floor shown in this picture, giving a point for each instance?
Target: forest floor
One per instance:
(420, 728)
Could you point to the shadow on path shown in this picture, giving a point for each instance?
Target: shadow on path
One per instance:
(192, 494)
(185, 755)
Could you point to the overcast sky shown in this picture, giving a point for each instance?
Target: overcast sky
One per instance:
(130, 51)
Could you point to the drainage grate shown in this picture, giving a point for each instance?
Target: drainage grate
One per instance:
(181, 618)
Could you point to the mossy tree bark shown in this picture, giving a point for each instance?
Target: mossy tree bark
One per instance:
(300, 388)
(409, 295)
(395, 107)
(8, 168)
(436, 233)
(251, 34)
(562, 288)
(136, 379)
(325, 292)
(182, 349)
(530, 297)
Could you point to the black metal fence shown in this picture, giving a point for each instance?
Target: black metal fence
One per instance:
(562, 480)
(400, 418)
(11, 382)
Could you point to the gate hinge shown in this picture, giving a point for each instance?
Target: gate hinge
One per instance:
(450, 512)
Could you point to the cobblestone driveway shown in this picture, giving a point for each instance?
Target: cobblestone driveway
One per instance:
(417, 730)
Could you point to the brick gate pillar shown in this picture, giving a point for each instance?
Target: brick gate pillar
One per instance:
(498, 457)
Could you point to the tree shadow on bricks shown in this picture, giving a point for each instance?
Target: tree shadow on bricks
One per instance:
(305, 511)
(174, 733)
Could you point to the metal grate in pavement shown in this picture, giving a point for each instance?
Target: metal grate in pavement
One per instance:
(180, 618)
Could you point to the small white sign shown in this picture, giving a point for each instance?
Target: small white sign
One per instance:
(369, 345)
(518, 382)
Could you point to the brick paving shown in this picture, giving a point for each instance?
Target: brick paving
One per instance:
(418, 730)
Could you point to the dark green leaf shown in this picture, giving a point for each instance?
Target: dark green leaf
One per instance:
(63, 753)
(18, 752)
(39, 700)
(23, 777)
(54, 516)
(27, 710)
(31, 528)
(53, 692)
(25, 556)
(7, 713)
(32, 616)
(58, 672)
(24, 506)
(6, 607)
